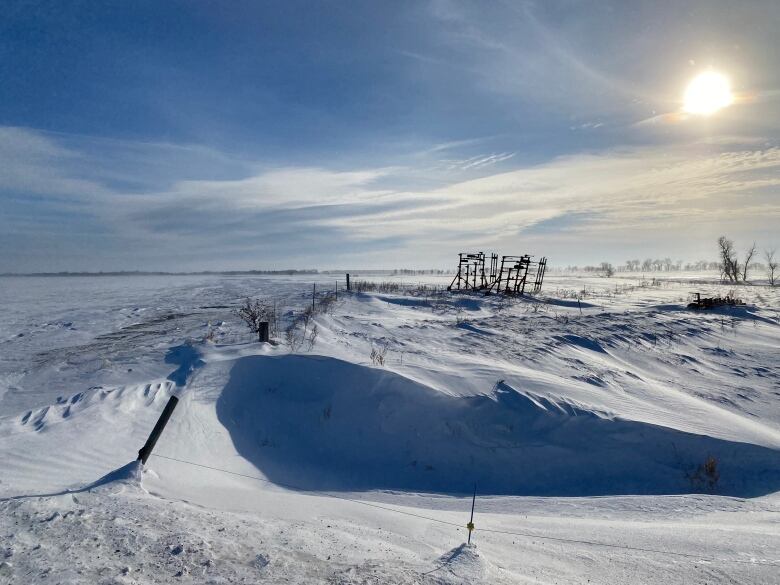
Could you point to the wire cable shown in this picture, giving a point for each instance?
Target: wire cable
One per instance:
(318, 494)
(632, 548)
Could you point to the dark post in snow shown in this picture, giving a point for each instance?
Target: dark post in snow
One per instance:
(470, 525)
(146, 450)
(263, 332)
(348, 281)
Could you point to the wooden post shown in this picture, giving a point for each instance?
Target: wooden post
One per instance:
(146, 450)
(263, 332)
(348, 281)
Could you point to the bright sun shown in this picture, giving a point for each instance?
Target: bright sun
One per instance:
(707, 93)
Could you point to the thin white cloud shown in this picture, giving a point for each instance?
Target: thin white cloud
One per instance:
(671, 185)
(32, 163)
(477, 162)
(287, 187)
(658, 192)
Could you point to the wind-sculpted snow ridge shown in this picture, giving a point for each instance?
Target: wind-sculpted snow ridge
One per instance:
(122, 398)
(59, 446)
(362, 428)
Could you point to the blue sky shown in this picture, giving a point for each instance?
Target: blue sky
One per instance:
(211, 135)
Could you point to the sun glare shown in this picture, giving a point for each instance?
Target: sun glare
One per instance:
(707, 93)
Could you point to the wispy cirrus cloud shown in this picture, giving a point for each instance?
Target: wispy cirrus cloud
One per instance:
(646, 193)
(476, 162)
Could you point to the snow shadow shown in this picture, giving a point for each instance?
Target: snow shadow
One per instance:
(568, 303)
(187, 358)
(127, 475)
(319, 423)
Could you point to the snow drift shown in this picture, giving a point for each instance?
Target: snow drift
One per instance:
(360, 428)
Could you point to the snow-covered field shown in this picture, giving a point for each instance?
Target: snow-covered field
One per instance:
(613, 435)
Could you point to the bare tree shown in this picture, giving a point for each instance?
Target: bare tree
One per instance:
(748, 257)
(607, 269)
(771, 265)
(729, 265)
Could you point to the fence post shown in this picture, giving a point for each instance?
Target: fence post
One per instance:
(263, 332)
(470, 525)
(348, 281)
(146, 450)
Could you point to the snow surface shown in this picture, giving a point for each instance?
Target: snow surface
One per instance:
(584, 415)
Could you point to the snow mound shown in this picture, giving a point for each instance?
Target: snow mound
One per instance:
(128, 475)
(320, 423)
(464, 564)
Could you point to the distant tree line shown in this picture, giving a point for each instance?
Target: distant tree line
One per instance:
(649, 265)
(413, 272)
(729, 265)
(288, 272)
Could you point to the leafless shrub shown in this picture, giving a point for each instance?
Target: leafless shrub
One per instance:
(438, 305)
(326, 303)
(706, 475)
(302, 329)
(426, 289)
(253, 313)
(378, 355)
(312, 339)
(293, 336)
(388, 286)
(500, 304)
(370, 286)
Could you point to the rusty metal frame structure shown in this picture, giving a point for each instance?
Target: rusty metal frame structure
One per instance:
(541, 268)
(511, 277)
(471, 271)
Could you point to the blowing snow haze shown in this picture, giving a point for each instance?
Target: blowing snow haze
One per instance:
(190, 136)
